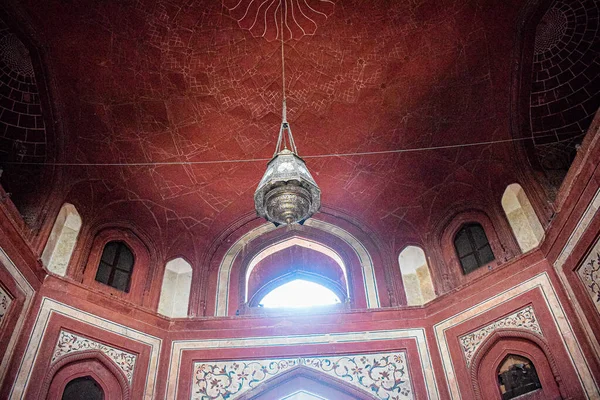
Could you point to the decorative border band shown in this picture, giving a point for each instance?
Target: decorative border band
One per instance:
(539, 282)
(178, 347)
(384, 375)
(49, 307)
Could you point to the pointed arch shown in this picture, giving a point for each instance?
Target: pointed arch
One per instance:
(364, 264)
(85, 363)
(522, 218)
(296, 241)
(416, 276)
(305, 379)
(63, 238)
(511, 341)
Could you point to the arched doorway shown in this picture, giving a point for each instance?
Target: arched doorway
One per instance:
(492, 360)
(86, 369)
(83, 388)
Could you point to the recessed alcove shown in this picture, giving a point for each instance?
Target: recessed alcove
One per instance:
(523, 220)
(62, 241)
(175, 291)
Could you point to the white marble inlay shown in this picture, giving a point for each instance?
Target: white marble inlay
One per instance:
(582, 226)
(68, 343)
(5, 301)
(49, 307)
(539, 282)
(423, 361)
(522, 319)
(384, 375)
(589, 273)
(25, 288)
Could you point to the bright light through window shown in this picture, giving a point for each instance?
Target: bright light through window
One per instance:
(299, 293)
(302, 395)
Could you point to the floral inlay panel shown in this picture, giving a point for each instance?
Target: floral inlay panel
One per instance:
(522, 319)
(5, 301)
(589, 273)
(383, 375)
(69, 342)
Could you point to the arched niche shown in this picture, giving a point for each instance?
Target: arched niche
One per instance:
(522, 218)
(490, 356)
(62, 240)
(517, 377)
(416, 276)
(83, 388)
(175, 290)
(229, 263)
(295, 256)
(301, 379)
(92, 363)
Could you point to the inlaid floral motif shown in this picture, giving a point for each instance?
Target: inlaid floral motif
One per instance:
(5, 301)
(69, 342)
(227, 380)
(523, 319)
(383, 375)
(589, 273)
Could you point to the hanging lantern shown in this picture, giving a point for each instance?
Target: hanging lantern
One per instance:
(287, 193)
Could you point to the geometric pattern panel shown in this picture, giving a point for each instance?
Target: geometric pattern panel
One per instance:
(522, 319)
(69, 343)
(384, 375)
(5, 301)
(589, 273)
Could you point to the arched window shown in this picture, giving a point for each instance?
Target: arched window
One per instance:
(517, 376)
(62, 240)
(295, 273)
(294, 294)
(175, 292)
(84, 388)
(415, 276)
(472, 247)
(522, 218)
(116, 266)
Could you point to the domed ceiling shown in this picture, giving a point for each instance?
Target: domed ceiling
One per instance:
(187, 89)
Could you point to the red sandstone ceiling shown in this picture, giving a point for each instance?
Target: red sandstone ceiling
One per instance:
(159, 81)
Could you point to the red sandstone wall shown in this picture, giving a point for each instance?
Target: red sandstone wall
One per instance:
(519, 307)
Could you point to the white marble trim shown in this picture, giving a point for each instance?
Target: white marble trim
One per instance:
(539, 282)
(471, 341)
(49, 307)
(69, 342)
(418, 335)
(29, 293)
(365, 371)
(574, 238)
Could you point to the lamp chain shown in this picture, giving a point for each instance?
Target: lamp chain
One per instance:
(285, 127)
